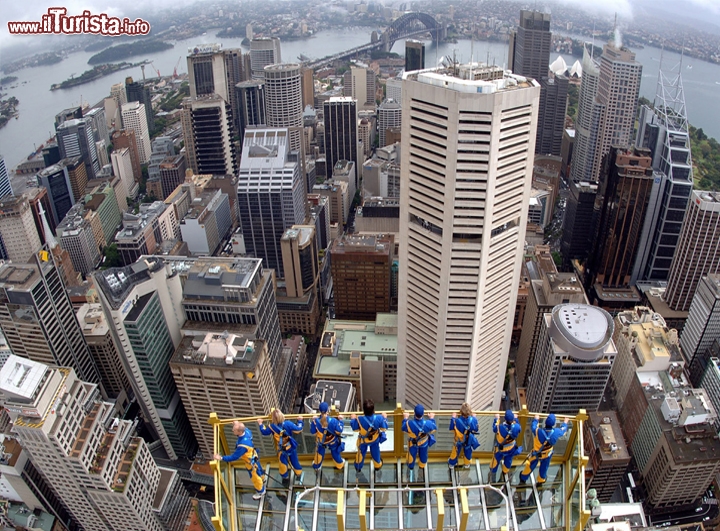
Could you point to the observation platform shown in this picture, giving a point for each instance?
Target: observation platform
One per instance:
(395, 498)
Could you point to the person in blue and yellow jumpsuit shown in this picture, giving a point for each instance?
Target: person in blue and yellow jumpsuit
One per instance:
(505, 448)
(282, 431)
(328, 435)
(371, 428)
(245, 451)
(465, 427)
(420, 436)
(543, 442)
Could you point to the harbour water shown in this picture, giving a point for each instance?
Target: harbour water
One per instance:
(38, 105)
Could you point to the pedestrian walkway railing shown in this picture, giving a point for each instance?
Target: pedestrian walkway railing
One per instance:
(344, 500)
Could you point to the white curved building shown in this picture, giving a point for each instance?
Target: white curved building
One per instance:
(573, 361)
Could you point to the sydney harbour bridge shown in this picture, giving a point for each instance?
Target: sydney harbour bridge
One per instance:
(406, 26)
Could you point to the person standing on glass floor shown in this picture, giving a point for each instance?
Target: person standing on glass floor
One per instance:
(544, 440)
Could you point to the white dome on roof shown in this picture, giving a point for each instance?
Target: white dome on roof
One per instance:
(558, 66)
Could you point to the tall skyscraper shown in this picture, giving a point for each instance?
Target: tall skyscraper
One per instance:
(40, 201)
(38, 320)
(341, 132)
(75, 235)
(618, 91)
(703, 323)
(389, 115)
(608, 453)
(574, 359)
(207, 130)
(283, 100)
(206, 71)
(462, 217)
(530, 45)
(206, 223)
(263, 52)
(56, 179)
(126, 139)
(271, 193)
(5, 186)
(123, 168)
(250, 98)
(393, 89)
(143, 303)
(172, 174)
(227, 292)
(141, 93)
(606, 109)
(625, 186)
(361, 269)
(544, 293)
(530, 57)
(135, 119)
(300, 260)
(308, 87)
(551, 121)
(18, 230)
(212, 70)
(103, 349)
(359, 83)
(664, 131)
(103, 473)
(237, 365)
(580, 216)
(587, 125)
(76, 139)
(698, 250)
(644, 344)
(414, 55)
(657, 427)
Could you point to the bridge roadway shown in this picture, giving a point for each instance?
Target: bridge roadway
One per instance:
(363, 48)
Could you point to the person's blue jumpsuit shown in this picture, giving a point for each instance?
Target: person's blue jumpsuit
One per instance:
(543, 441)
(286, 445)
(420, 437)
(505, 448)
(329, 437)
(371, 434)
(245, 451)
(465, 442)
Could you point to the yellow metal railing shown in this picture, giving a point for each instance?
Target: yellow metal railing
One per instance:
(568, 454)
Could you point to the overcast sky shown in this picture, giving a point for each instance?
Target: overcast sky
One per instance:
(32, 10)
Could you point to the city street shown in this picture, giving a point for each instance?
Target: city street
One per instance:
(709, 511)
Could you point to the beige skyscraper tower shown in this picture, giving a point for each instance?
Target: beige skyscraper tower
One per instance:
(468, 136)
(17, 228)
(283, 99)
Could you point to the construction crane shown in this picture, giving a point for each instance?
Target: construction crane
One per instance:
(175, 74)
(156, 70)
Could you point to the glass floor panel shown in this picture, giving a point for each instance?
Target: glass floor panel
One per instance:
(397, 499)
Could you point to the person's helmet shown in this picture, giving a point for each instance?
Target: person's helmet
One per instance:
(419, 411)
(550, 421)
(509, 416)
(324, 407)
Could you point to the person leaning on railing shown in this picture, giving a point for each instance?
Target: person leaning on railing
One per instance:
(328, 435)
(420, 436)
(544, 440)
(371, 434)
(245, 451)
(465, 427)
(282, 432)
(506, 433)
